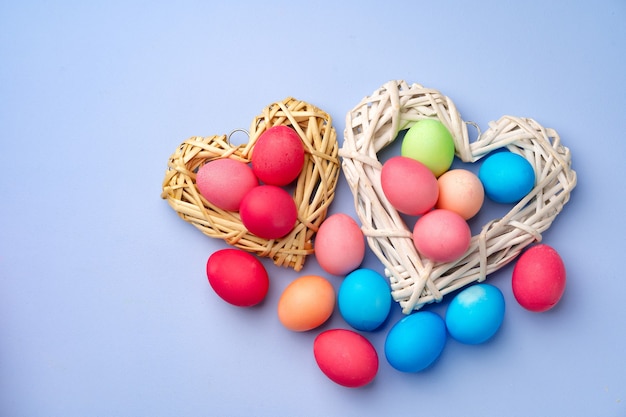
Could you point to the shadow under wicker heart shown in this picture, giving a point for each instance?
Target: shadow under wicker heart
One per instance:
(375, 122)
(314, 188)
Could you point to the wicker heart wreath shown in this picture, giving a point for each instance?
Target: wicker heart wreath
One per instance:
(375, 122)
(314, 188)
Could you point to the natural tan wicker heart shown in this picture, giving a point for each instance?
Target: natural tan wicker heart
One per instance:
(375, 122)
(314, 188)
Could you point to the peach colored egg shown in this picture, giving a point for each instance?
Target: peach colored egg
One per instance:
(306, 303)
(339, 244)
(461, 191)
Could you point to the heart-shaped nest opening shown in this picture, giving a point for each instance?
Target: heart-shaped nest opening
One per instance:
(375, 122)
(314, 189)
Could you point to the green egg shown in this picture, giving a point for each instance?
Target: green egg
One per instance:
(429, 142)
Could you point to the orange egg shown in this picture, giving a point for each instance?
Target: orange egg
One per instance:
(306, 303)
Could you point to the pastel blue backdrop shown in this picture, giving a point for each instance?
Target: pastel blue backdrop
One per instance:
(105, 309)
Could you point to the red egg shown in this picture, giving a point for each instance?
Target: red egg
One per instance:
(238, 277)
(268, 212)
(278, 156)
(409, 185)
(539, 278)
(224, 182)
(346, 357)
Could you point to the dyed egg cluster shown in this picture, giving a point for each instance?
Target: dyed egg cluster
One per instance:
(414, 343)
(345, 356)
(420, 182)
(267, 210)
(417, 183)
(476, 313)
(417, 341)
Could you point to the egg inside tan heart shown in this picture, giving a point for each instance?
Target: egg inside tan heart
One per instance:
(415, 281)
(313, 192)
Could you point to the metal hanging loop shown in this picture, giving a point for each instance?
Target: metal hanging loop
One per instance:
(235, 131)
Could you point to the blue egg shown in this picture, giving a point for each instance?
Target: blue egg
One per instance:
(506, 177)
(415, 342)
(475, 314)
(364, 299)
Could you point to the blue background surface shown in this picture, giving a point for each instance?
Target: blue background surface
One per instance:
(105, 309)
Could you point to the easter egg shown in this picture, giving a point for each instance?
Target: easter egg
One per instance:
(224, 182)
(346, 357)
(539, 278)
(409, 185)
(364, 299)
(339, 244)
(306, 303)
(429, 142)
(460, 191)
(278, 156)
(238, 277)
(415, 342)
(507, 177)
(441, 235)
(475, 314)
(268, 212)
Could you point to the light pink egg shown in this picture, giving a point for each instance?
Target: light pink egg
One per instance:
(339, 244)
(224, 182)
(441, 235)
(409, 185)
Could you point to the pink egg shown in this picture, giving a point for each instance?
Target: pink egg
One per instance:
(339, 244)
(409, 185)
(278, 156)
(461, 191)
(539, 278)
(441, 235)
(238, 277)
(268, 212)
(346, 357)
(224, 182)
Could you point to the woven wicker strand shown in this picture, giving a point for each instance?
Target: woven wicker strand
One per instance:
(314, 188)
(375, 122)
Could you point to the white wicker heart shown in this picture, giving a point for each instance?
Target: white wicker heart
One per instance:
(375, 122)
